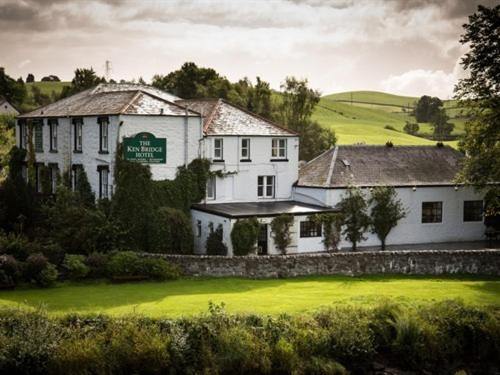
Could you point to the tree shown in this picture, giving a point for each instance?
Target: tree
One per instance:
(215, 244)
(332, 228)
(426, 108)
(386, 211)
(175, 235)
(297, 105)
(411, 128)
(441, 127)
(356, 220)
(83, 189)
(12, 90)
(280, 228)
(30, 78)
(479, 94)
(84, 79)
(51, 78)
(244, 236)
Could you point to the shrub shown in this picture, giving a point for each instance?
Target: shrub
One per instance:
(74, 266)
(159, 269)
(215, 244)
(18, 246)
(38, 270)
(390, 127)
(411, 128)
(78, 355)
(244, 236)
(323, 366)
(124, 264)
(9, 271)
(97, 263)
(175, 235)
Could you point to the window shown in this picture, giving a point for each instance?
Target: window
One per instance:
(23, 134)
(103, 171)
(103, 134)
(218, 149)
(24, 172)
(76, 169)
(211, 187)
(38, 177)
(310, 229)
(198, 228)
(278, 150)
(38, 126)
(265, 186)
(473, 211)
(53, 134)
(432, 212)
(54, 176)
(78, 134)
(245, 149)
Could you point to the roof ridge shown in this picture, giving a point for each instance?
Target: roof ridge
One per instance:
(332, 166)
(211, 116)
(167, 101)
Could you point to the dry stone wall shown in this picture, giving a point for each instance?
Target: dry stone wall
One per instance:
(421, 262)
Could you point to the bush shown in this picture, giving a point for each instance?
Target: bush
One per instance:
(244, 236)
(124, 264)
(390, 127)
(38, 270)
(97, 263)
(175, 235)
(280, 227)
(411, 128)
(215, 244)
(159, 269)
(323, 366)
(10, 271)
(74, 266)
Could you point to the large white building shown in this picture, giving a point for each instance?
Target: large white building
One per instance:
(256, 162)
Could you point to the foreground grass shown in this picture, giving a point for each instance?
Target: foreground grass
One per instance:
(272, 296)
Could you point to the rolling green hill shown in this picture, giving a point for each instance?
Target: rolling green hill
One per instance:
(46, 87)
(368, 116)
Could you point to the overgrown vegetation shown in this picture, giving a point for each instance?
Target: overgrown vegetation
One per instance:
(332, 228)
(356, 220)
(443, 338)
(280, 229)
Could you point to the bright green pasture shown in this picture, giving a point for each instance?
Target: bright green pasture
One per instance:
(270, 296)
(47, 87)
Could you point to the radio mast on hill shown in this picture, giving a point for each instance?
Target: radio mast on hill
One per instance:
(107, 70)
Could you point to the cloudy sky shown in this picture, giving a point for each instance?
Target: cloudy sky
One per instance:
(401, 46)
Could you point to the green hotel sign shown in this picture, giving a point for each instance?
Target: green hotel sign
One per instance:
(145, 148)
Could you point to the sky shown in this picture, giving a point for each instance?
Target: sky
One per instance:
(408, 47)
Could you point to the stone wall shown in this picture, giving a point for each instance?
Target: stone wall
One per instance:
(429, 262)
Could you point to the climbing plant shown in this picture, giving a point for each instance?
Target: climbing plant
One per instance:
(332, 228)
(280, 227)
(356, 220)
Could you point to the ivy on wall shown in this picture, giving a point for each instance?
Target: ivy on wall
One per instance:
(280, 227)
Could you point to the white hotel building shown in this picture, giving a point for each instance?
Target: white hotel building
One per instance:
(259, 165)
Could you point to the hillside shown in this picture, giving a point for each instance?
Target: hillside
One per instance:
(46, 87)
(364, 117)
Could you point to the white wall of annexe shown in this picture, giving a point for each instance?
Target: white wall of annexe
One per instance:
(297, 245)
(411, 230)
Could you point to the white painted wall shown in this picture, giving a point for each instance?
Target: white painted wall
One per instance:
(182, 146)
(411, 230)
(7, 109)
(242, 185)
(298, 245)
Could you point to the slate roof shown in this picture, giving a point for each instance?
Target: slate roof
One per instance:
(261, 209)
(223, 118)
(113, 99)
(381, 165)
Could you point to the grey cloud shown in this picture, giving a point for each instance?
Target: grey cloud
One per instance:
(448, 9)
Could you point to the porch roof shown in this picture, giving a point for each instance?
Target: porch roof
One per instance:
(261, 209)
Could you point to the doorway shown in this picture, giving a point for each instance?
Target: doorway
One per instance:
(262, 240)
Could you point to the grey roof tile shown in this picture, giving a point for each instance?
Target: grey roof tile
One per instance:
(380, 165)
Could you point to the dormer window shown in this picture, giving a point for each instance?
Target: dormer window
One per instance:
(278, 149)
(218, 149)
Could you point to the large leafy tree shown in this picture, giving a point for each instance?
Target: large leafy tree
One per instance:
(12, 90)
(426, 108)
(295, 110)
(479, 93)
(441, 126)
(386, 211)
(356, 220)
(84, 79)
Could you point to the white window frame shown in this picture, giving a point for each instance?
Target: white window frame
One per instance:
(279, 148)
(219, 149)
(78, 134)
(104, 183)
(264, 182)
(53, 134)
(211, 188)
(103, 135)
(245, 148)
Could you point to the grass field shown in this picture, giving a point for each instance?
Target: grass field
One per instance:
(361, 117)
(191, 296)
(46, 87)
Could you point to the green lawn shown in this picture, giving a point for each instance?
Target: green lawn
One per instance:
(272, 296)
